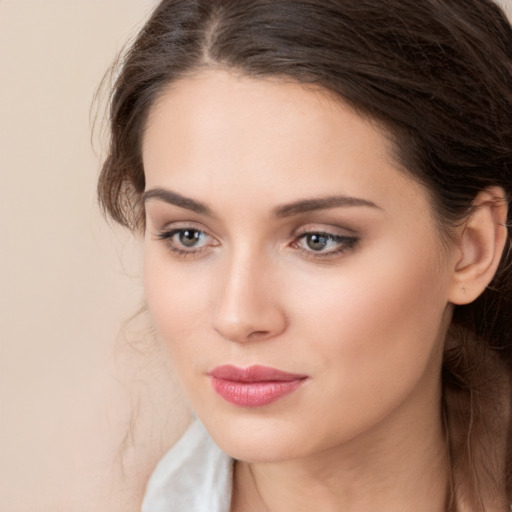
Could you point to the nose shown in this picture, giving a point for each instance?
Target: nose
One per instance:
(248, 307)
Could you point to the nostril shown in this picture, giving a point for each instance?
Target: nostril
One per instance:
(258, 334)
(238, 331)
(256, 328)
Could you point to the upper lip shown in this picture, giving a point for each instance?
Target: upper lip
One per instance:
(256, 373)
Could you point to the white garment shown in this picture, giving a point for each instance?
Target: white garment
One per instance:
(194, 476)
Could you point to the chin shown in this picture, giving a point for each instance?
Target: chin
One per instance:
(259, 450)
(258, 439)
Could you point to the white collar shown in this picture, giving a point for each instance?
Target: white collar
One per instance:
(194, 476)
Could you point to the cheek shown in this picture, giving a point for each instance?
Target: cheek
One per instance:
(373, 320)
(175, 300)
(378, 322)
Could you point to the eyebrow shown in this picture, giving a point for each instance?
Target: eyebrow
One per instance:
(168, 196)
(285, 210)
(321, 203)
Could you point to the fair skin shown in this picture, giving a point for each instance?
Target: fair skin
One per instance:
(354, 294)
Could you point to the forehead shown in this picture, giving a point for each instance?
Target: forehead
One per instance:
(215, 133)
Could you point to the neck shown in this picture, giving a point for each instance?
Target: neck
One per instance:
(400, 465)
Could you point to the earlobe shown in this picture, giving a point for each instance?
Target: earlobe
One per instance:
(481, 246)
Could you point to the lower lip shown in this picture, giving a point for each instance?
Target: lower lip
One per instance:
(254, 394)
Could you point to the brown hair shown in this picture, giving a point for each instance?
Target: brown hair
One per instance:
(437, 74)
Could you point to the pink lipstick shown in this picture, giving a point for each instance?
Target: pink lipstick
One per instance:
(254, 386)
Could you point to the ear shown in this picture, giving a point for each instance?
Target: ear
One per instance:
(481, 246)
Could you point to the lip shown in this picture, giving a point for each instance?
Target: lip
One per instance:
(254, 386)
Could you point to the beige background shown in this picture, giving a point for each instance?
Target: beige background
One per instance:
(87, 404)
(70, 386)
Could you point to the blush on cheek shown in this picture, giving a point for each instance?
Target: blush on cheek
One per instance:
(382, 324)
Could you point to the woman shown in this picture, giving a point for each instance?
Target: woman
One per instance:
(323, 189)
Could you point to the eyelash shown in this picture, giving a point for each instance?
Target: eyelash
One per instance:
(166, 237)
(346, 243)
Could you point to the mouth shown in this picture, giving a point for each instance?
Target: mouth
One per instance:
(254, 386)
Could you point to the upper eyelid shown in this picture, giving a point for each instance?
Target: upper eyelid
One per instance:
(181, 224)
(332, 236)
(323, 231)
(171, 231)
(177, 226)
(335, 231)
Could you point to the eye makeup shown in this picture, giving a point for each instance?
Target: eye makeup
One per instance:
(190, 241)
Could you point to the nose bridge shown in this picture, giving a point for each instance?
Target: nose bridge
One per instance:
(247, 306)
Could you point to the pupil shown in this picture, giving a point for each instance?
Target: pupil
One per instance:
(189, 238)
(316, 242)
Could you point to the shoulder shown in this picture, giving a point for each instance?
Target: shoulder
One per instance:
(194, 476)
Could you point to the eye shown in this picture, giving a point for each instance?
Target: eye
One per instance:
(317, 241)
(189, 237)
(322, 244)
(186, 241)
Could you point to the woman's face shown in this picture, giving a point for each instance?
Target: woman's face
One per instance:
(281, 234)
